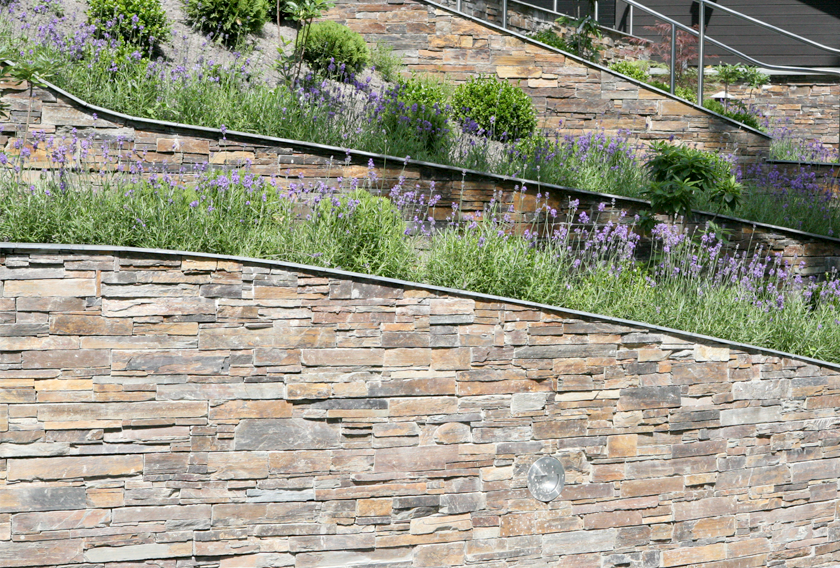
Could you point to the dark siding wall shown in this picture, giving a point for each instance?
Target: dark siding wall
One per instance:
(818, 20)
(580, 8)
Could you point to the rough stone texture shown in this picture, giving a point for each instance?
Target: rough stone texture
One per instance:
(567, 91)
(808, 105)
(713, 456)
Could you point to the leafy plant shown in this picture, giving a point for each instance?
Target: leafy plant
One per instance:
(501, 109)
(137, 23)
(302, 12)
(550, 37)
(728, 75)
(682, 92)
(329, 46)
(678, 173)
(34, 71)
(388, 65)
(582, 38)
(631, 70)
(736, 110)
(420, 103)
(229, 20)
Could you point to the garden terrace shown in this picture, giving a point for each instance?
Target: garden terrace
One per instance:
(223, 411)
(148, 147)
(569, 91)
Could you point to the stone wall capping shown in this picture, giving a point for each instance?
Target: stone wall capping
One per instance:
(641, 326)
(589, 63)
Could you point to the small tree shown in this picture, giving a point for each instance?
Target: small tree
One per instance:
(686, 51)
(302, 12)
(34, 72)
(728, 75)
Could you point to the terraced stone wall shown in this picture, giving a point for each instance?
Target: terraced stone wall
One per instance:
(570, 94)
(176, 411)
(120, 142)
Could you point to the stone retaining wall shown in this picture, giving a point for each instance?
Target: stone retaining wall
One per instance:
(568, 92)
(195, 411)
(809, 105)
(179, 149)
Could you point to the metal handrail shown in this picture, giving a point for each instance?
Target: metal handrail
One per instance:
(703, 39)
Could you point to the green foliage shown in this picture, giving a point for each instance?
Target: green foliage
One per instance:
(678, 173)
(228, 20)
(582, 39)
(418, 109)
(550, 37)
(682, 92)
(503, 110)
(301, 11)
(388, 65)
(328, 45)
(736, 111)
(631, 70)
(138, 23)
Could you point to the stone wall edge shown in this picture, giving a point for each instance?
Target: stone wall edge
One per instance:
(7, 246)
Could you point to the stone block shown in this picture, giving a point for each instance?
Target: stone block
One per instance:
(74, 467)
(25, 499)
(285, 434)
(415, 458)
(645, 398)
(436, 523)
(67, 324)
(33, 523)
(342, 357)
(237, 465)
(44, 553)
(750, 415)
(239, 409)
(139, 552)
(74, 287)
(453, 433)
(439, 555)
(579, 542)
(693, 555)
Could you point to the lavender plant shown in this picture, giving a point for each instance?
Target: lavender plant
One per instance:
(572, 260)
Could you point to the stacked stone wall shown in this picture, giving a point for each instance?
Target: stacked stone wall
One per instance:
(808, 105)
(193, 411)
(121, 142)
(569, 93)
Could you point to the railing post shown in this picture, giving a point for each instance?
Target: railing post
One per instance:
(673, 58)
(459, 5)
(700, 58)
(555, 6)
(631, 20)
(504, 14)
(596, 11)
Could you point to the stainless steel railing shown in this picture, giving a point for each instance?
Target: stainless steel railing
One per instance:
(703, 39)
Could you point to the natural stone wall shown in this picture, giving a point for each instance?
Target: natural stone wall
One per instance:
(181, 149)
(192, 411)
(808, 105)
(121, 142)
(570, 93)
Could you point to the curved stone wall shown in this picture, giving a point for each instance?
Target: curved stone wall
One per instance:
(159, 409)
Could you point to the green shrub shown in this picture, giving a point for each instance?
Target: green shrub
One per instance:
(229, 20)
(550, 37)
(503, 110)
(736, 111)
(631, 70)
(682, 92)
(678, 173)
(330, 43)
(138, 23)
